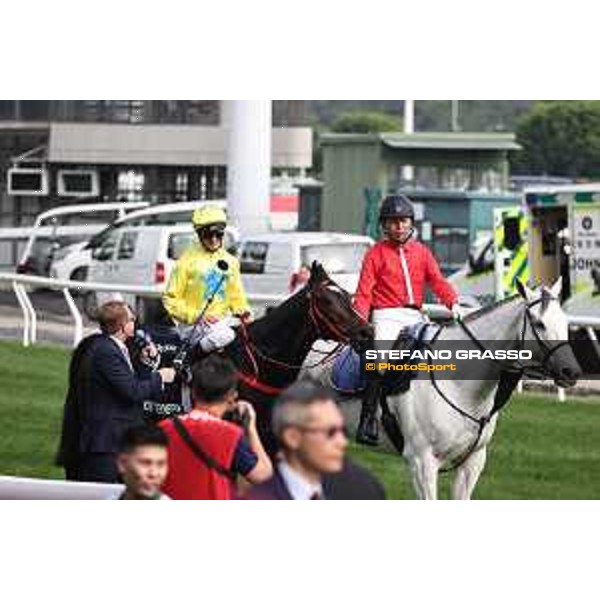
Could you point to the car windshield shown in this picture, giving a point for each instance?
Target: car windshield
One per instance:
(335, 258)
(44, 245)
(172, 218)
(98, 239)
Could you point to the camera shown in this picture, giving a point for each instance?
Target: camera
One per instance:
(142, 340)
(183, 369)
(238, 417)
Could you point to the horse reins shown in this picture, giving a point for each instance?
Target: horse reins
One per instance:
(323, 327)
(522, 369)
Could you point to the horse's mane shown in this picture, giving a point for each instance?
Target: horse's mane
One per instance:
(279, 314)
(278, 317)
(480, 312)
(484, 310)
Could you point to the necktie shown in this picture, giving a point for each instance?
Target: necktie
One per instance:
(127, 357)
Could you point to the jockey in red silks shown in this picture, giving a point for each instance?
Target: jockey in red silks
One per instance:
(391, 291)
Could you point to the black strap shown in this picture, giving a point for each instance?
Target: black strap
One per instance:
(208, 460)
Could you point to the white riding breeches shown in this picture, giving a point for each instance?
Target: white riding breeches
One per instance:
(389, 322)
(210, 336)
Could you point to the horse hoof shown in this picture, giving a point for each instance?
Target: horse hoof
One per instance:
(367, 440)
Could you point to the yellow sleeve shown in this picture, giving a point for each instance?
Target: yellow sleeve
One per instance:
(174, 295)
(238, 303)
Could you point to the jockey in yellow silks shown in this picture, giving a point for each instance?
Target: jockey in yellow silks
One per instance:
(198, 276)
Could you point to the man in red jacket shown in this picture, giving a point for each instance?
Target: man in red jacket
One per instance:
(206, 452)
(391, 290)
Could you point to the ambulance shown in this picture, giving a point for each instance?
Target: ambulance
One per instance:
(554, 232)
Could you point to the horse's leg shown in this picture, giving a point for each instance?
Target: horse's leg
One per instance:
(468, 474)
(424, 471)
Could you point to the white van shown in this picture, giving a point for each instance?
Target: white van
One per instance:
(139, 255)
(61, 228)
(73, 262)
(269, 261)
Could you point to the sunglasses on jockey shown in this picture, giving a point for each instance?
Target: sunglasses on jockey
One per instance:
(211, 231)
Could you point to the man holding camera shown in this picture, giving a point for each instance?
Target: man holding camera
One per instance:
(206, 451)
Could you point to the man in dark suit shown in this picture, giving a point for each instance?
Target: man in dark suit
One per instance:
(105, 398)
(309, 428)
(353, 482)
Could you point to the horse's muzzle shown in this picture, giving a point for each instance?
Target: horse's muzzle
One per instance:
(568, 377)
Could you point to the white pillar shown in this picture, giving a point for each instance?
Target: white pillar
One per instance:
(454, 126)
(408, 173)
(249, 164)
(409, 116)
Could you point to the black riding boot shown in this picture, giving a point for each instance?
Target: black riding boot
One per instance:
(368, 427)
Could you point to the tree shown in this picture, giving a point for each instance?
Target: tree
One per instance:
(366, 122)
(560, 138)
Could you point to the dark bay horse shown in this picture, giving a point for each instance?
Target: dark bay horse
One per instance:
(269, 352)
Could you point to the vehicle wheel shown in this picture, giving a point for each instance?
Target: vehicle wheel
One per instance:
(79, 274)
(90, 305)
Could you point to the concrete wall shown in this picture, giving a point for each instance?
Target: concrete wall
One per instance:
(177, 145)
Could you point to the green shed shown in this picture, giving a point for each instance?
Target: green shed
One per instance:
(455, 178)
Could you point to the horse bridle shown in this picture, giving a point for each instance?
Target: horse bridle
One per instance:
(323, 327)
(540, 368)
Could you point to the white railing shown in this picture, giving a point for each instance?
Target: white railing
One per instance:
(30, 319)
(434, 311)
(18, 281)
(27, 488)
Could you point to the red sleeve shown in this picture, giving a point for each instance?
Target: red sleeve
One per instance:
(364, 292)
(434, 277)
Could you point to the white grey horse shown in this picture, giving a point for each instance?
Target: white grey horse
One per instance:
(450, 424)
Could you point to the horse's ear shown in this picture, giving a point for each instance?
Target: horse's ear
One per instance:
(317, 273)
(556, 288)
(522, 289)
(547, 297)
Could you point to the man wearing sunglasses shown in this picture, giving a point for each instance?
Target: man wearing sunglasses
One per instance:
(206, 284)
(312, 437)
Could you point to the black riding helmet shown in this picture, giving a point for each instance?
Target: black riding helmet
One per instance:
(396, 205)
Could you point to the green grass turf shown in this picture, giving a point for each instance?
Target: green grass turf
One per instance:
(541, 449)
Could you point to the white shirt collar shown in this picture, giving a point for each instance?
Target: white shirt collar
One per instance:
(298, 487)
(119, 343)
(123, 349)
